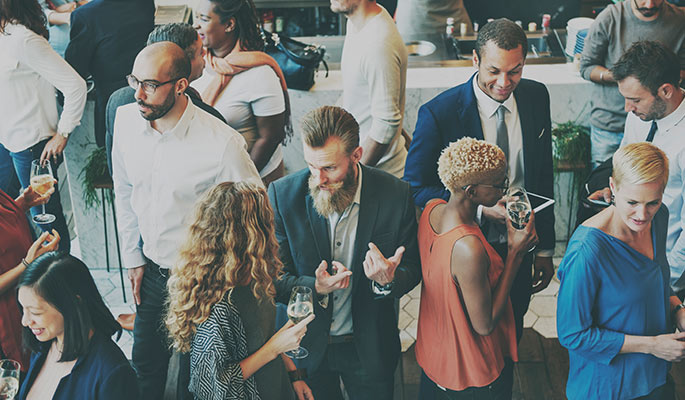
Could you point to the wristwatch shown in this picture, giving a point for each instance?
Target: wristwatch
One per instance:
(297, 375)
(64, 134)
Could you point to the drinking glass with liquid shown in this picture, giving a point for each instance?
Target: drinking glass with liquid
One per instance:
(9, 379)
(42, 180)
(300, 307)
(518, 208)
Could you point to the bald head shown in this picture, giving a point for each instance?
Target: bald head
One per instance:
(164, 60)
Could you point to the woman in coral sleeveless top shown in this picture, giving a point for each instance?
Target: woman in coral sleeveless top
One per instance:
(466, 335)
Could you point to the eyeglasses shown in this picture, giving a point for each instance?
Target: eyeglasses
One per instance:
(503, 187)
(149, 86)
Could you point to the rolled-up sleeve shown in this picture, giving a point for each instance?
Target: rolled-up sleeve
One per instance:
(575, 325)
(596, 45)
(39, 56)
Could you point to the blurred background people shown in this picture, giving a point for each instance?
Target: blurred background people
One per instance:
(69, 329)
(105, 37)
(615, 299)
(466, 341)
(617, 27)
(242, 82)
(58, 14)
(417, 17)
(31, 129)
(221, 300)
(16, 252)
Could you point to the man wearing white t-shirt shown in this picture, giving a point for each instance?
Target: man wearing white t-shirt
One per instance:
(648, 74)
(166, 153)
(374, 70)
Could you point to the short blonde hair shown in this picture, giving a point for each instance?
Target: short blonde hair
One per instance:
(468, 161)
(639, 163)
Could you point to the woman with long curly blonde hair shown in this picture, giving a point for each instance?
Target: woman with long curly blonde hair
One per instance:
(221, 299)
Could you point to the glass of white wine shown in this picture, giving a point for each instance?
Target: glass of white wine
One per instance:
(518, 207)
(300, 307)
(9, 379)
(42, 180)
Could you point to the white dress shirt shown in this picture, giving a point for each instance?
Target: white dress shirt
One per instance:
(158, 177)
(669, 137)
(30, 70)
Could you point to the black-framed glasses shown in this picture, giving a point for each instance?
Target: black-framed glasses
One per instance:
(503, 187)
(149, 86)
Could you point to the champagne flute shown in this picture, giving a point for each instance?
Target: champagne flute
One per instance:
(9, 379)
(42, 180)
(300, 307)
(518, 208)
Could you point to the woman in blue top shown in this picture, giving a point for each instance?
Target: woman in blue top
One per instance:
(69, 329)
(615, 311)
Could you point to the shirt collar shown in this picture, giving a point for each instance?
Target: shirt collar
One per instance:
(180, 130)
(486, 104)
(669, 121)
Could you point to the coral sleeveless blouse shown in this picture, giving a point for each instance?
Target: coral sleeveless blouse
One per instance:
(451, 353)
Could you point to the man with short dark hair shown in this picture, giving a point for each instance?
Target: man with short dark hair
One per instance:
(348, 232)
(648, 75)
(166, 153)
(498, 106)
(186, 37)
(615, 29)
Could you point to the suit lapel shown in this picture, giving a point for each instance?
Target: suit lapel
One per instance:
(368, 211)
(469, 116)
(527, 117)
(320, 234)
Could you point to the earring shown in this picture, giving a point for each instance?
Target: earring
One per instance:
(611, 201)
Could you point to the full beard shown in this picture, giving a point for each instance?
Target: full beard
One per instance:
(340, 196)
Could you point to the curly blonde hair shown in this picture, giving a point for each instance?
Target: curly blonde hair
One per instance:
(231, 242)
(469, 161)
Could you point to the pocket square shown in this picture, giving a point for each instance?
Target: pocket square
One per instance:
(542, 132)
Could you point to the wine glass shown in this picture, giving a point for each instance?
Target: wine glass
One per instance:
(41, 181)
(300, 307)
(518, 208)
(9, 379)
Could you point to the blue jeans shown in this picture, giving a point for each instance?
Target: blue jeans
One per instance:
(603, 144)
(20, 163)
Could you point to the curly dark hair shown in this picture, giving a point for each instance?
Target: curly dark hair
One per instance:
(504, 33)
(247, 23)
(23, 12)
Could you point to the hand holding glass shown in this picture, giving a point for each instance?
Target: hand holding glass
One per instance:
(42, 180)
(518, 208)
(9, 379)
(300, 307)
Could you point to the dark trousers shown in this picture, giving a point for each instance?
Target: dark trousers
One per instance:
(150, 346)
(522, 288)
(663, 392)
(500, 389)
(20, 164)
(342, 361)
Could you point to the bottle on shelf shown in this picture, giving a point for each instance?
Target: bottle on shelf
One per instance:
(268, 21)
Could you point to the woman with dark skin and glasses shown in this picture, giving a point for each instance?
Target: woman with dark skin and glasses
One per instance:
(466, 340)
(615, 312)
(69, 329)
(242, 82)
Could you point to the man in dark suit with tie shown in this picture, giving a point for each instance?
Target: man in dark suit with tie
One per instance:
(484, 108)
(348, 232)
(106, 37)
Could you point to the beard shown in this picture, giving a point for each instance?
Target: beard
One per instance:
(648, 11)
(339, 196)
(158, 111)
(656, 111)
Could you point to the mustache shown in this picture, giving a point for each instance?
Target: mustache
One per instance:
(142, 103)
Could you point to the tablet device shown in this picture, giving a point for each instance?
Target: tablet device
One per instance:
(539, 202)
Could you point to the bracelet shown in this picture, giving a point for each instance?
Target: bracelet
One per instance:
(601, 76)
(297, 375)
(26, 264)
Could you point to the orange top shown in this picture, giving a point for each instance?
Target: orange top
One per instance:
(450, 352)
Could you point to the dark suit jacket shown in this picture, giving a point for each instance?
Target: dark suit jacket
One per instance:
(453, 114)
(106, 36)
(386, 218)
(124, 96)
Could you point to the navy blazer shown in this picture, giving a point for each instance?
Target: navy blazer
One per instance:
(106, 37)
(453, 114)
(103, 373)
(387, 218)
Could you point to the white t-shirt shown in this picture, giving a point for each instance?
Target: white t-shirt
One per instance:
(253, 93)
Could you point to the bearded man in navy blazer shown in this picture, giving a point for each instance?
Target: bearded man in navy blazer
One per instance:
(485, 109)
(348, 232)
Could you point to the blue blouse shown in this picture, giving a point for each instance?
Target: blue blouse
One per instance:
(102, 374)
(609, 290)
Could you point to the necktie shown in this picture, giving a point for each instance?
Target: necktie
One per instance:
(652, 131)
(502, 134)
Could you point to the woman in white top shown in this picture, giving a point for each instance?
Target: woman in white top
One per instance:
(242, 82)
(29, 73)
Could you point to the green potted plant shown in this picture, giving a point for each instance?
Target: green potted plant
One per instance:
(93, 176)
(571, 147)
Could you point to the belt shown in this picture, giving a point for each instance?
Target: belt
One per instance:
(340, 339)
